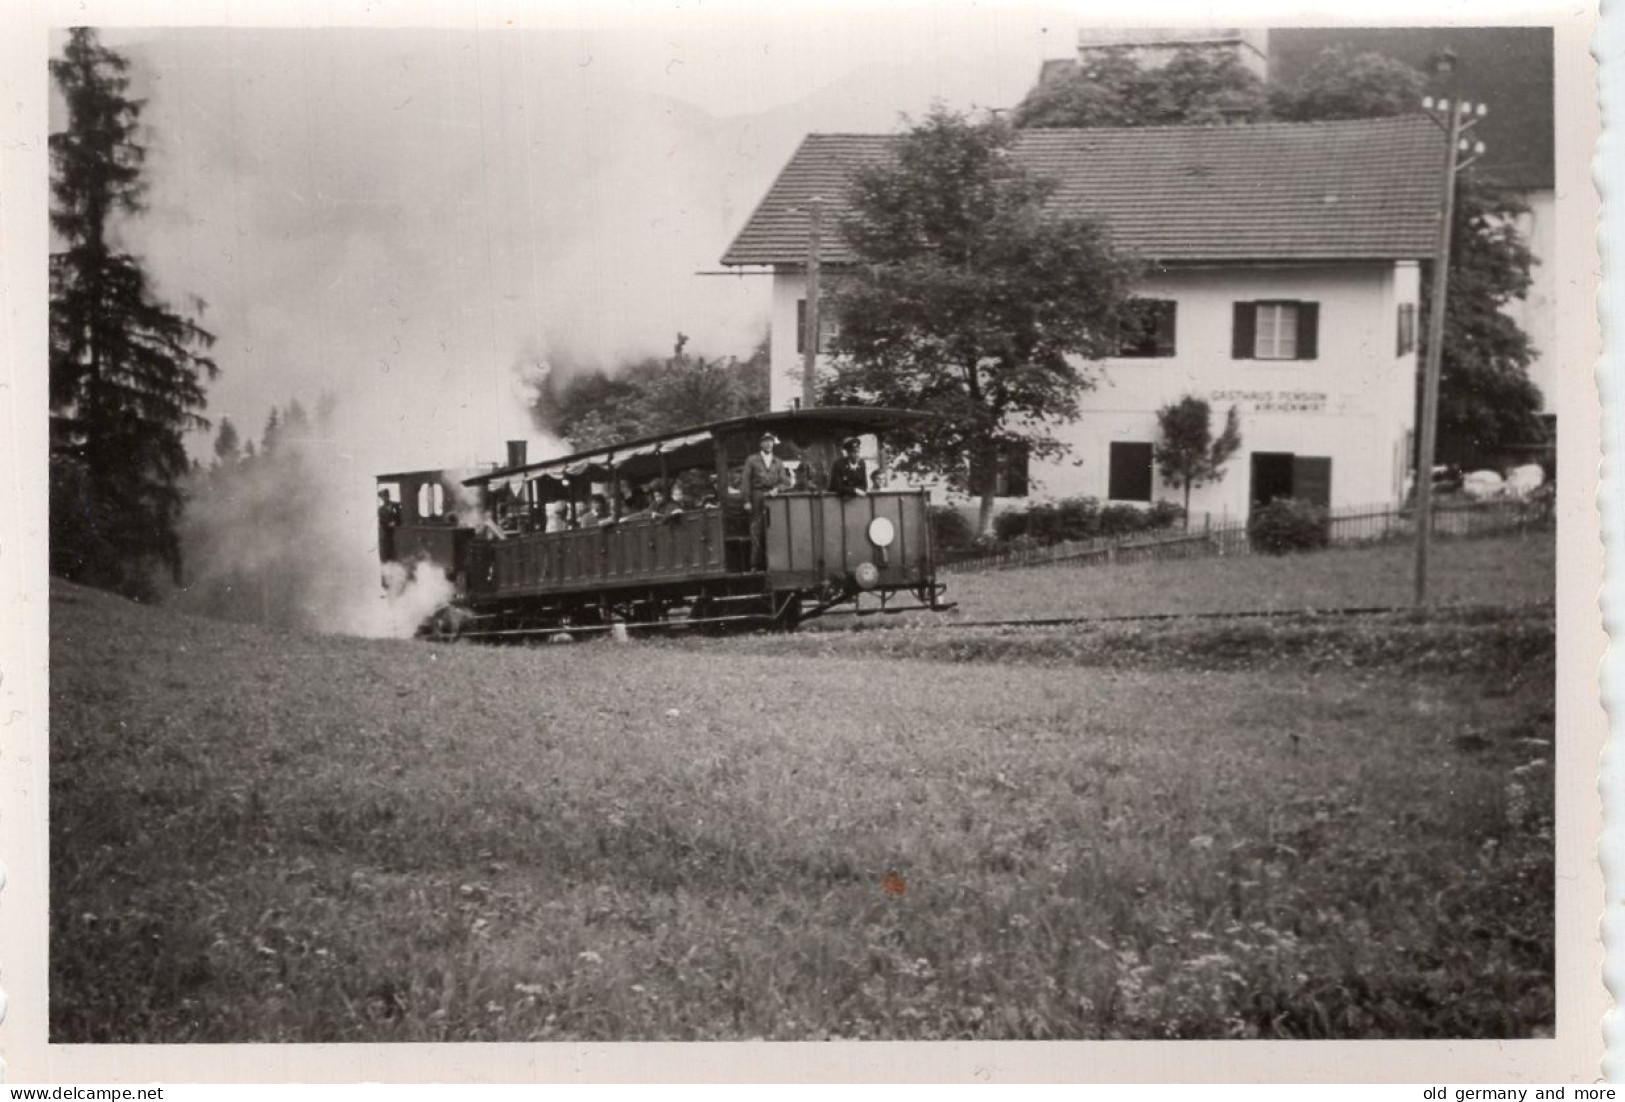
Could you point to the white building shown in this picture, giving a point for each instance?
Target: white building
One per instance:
(1282, 265)
(1508, 69)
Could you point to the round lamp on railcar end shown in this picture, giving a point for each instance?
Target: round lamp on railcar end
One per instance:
(867, 575)
(882, 532)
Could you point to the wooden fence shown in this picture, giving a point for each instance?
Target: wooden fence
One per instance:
(1346, 526)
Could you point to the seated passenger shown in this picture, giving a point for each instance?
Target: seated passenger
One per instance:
(558, 517)
(632, 500)
(600, 513)
(659, 503)
(670, 507)
(711, 496)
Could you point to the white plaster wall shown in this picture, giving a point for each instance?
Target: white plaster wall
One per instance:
(1360, 420)
(1367, 407)
(785, 387)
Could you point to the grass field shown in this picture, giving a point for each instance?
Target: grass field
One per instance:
(1272, 829)
(1510, 570)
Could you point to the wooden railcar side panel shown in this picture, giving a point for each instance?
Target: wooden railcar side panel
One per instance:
(636, 552)
(812, 539)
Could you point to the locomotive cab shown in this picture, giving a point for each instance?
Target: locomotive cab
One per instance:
(424, 517)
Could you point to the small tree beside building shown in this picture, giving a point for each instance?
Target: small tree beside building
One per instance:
(1188, 455)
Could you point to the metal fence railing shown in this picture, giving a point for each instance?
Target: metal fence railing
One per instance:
(1349, 525)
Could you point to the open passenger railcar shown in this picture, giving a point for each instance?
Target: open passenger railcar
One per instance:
(818, 551)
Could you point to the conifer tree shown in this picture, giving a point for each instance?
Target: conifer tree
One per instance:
(126, 372)
(227, 446)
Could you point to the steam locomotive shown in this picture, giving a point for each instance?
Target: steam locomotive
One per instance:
(526, 555)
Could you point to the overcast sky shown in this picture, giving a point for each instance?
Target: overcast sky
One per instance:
(402, 216)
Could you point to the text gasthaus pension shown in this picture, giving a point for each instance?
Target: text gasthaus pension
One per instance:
(1272, 401)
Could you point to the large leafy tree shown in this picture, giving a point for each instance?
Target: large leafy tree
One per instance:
(1486, 400)
(968, 301)
(1110, 88)
(126, 372)
(1341, 85)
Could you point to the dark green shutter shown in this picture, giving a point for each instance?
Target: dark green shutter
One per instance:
(1243, 331)
(801, 326)
(1308, 330)
(1312, 479)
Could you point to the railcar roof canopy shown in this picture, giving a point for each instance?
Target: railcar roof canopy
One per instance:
(691, 446)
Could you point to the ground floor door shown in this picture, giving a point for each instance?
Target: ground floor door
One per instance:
(1287, 474)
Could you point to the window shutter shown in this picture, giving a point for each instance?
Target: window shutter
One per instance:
(1166, 312)
(801, 326)
(1243, 330)
(1308, 330)
(1312, 479)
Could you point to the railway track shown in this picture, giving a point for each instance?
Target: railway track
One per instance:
(1239, 614)
(1348, 612)
(1242, 614)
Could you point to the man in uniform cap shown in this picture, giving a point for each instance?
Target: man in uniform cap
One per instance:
(764, 475)
(849, 476)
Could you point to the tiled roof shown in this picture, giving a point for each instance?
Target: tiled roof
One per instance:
(1360, 190)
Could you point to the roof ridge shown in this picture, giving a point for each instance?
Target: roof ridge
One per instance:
(1409, 117)
(1231, 128)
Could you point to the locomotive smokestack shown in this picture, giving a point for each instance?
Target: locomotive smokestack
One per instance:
(516, 453)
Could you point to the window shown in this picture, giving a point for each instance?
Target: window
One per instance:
(1284, 474)
(827, 329)
(1407, 328)
(1129, 478)
(431, 500)
(1276, 330)
(1146, 328)
(1276, 336)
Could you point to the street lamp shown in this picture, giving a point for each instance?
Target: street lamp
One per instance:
(1455, 118)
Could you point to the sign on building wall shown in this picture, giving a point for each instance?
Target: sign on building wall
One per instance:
(1271, 401)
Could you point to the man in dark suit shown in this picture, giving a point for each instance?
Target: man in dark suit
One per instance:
(764, 476)
(849, 476)
(389, 519)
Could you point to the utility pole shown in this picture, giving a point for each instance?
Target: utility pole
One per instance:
(1458, 118)
(809, 338)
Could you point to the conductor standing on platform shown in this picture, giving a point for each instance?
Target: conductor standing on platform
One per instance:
(764, 476)
(849, 477)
